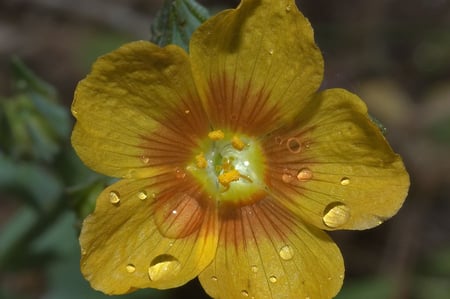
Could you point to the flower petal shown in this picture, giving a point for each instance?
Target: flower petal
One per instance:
(266, 252)
(255, 66)
(137, 110)
(125, 245)
(334, 167)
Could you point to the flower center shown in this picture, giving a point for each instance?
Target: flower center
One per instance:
(230, 167)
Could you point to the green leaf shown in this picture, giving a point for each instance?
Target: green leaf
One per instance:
(32, 182)
(176, 22)
(367, 288)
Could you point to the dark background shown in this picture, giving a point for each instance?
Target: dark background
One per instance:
(395, 54)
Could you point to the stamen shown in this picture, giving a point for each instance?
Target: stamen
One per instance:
(237, 143)
(228, 176)
(200, 161)
(216, 135)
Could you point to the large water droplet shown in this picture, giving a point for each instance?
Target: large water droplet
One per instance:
(142, 195)
(345, 181)
(130, 268)
(273, 279)
(114, 197)
(305, 174)
(294, 145)
(336, 214)
(286, 252)
(163, 266)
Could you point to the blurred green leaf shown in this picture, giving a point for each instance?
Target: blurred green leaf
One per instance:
(176, 21)
(367, 288)
(32, 182)
(33, 124)
(16, 227)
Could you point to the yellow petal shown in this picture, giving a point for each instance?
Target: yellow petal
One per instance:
(255, 66)
(137, 110)
(130, 241)
(266, 252)
(334, 168)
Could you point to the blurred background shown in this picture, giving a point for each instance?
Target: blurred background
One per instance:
(395, 54)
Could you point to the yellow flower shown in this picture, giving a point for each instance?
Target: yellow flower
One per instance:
(232, 163)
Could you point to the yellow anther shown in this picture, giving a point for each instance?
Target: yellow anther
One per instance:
(216, 135)
(200, 161)
(229, 176)
(237, 143)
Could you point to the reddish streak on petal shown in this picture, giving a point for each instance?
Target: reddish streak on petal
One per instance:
(180, 129)
(241, 108)
(263, 219)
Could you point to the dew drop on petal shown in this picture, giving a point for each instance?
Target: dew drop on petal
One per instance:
(287, 176)
(142, 195)
(187, 111)
(244, 293)
(145, 159)
(294, 145)
(114, 197)
(162, 266)
(305, 174)
(214, 278)
(345, 181)
(179, 173)
(286, 252)
(271, 51)
(288, 8)
(130, 268)
(336, 214)
(254, 268)
(273, 279)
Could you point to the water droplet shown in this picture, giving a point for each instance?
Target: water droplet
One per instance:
(286, 252)
(273, 279)
(345, 181)
(288, 8)
(163, 266)
(254, 268)
(294, 145)
(287, 176)
(142, 195)
(244, 293)
(278, 140)
(153, 195)
(305, 174)
(180, 174)
(130, 268)
(271, 51)
(83, 251)
(114, 197)
(214, 278)
(187, 111)
(145, 159)
(336, 214)
(174, 212)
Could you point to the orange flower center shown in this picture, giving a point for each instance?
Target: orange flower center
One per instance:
(230, 167)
